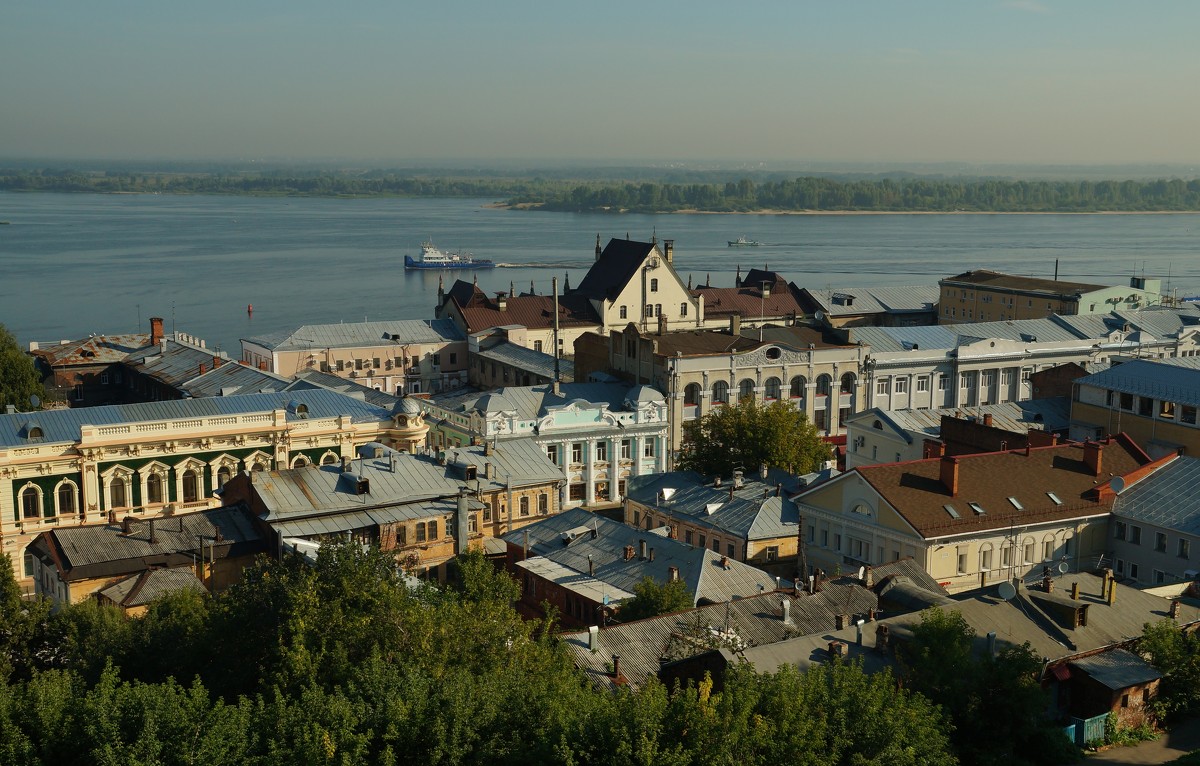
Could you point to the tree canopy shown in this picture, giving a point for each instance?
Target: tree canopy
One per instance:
(749, 435)
(18, 377)
(1176, 654)
(651, 599)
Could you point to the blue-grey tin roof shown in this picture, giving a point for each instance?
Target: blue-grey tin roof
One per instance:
(754, 513)
(173, 362)
(65, 425)
(1166, 498)
(230, 379)
(358, 334)
(1118, 669)
(537, 362)
(1176, 380)
(530, 402)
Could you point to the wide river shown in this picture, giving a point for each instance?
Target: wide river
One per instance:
(75, 264)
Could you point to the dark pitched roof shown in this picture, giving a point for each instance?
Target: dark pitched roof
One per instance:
(532, 311)
(173, 363)
(916, 491)
(748, 301)
(614, 268)
(985, 278)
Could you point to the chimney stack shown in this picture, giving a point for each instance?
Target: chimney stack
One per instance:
(502, 300)
(672, 573)
(991, 643)
(641, 549)
(881, 639)
(786, 605)
(1093, 457)
(593, 637)
(735, 325)
(841, 621)
(153, 536)
(950, 474)
(156, 330)
(591, 566)
(617, 667)
(987, 419)
(1075, 591)
(669, 250)
(1174, 609)
(203, 369)
(217, 361)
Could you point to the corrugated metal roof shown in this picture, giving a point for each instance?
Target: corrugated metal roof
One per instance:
(1173, 380)
(98, 349)
(522, 358)
(1118, 669)
(360, 334)
(64, 425)
(151, 585)
(531, 402)
(701, 569)
(875, 300)
(1040, 414)
(309, 379)
(230, 379)
(754, 513)
(173, 363)
(1165, 498)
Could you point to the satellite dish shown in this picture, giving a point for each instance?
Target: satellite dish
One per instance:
(35, 401)
(1117, 484)
(1007, 590)
(1063, 567)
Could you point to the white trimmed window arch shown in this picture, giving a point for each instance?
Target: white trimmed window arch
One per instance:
(222, 469)
(258, 461)
(118, 488)
(189, 480)
(154, 478)
(330, 458)
(29, 502)
(300, 460)
(66, 498)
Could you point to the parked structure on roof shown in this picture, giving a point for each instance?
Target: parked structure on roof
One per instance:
(131, 562)
(599, 434)
(986, 296)
(973, 519)
(1153, 400)
(402, 356)
(78, 466)
(586, 565)
(423, 508)
(893, 436)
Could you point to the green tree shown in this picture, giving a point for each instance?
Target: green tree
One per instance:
(1176, 654)
(748, 434)
(18, 378)
(996, 704)
(651, 599)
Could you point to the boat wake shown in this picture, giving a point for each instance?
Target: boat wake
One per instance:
(564, 265)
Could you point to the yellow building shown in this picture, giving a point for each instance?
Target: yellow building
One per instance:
(972, 519)
(989, 296)
(1154, 401)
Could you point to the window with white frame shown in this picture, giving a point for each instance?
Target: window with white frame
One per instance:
(922, 384)
(901, 385)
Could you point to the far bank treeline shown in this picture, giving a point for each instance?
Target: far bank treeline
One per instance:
(808, 193)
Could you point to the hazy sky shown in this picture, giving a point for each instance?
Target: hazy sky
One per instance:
(1036, 81)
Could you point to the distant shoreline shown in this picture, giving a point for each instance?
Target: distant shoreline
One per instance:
(692, 211)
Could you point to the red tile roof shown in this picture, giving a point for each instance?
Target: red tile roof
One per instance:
(916, 491)
(748, 302)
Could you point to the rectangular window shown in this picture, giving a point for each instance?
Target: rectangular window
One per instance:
(576, 453)
(683, 309)
(943, 382)
(922, 384)
(883, 386)
(624, 312)
(716, 545)
(1006, 557)
(649, 309)
(687, 536)
(1160, 577)
(437, 360)
(1185, 548)
(963, 553)
(626, 449)
(1135, 535)
(1160, 542)
(552, 453)
(824, 538)
(1047, 550)
(648, 448)
(658, 309)
(1133, 570)
(537, 345)
(985, 559)
(602, 452)
(1119, 530)
(772, 553)
(837, 542)
(902, 385)
(729, 550)
(653, 285)
(453, 359)
(1029, 552)
(703, 541)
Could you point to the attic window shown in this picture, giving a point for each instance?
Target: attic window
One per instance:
(33, 431)
(1016, 504)
(977, 508)
(1054, 498)
(87, 353)
(950, 510)
(878, 424)
(773, 353)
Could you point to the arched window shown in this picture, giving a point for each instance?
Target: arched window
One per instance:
(746, 389)
(224, 474)
(329, 459)
(66, 499)
(154, 489)
(848, 383)
(118, 493)
(798, 387)
(524, 506)
(772, 388)
(720, 392)
(691, 394)
(258, 468)
(299, 461)
(31, 503)
(653, 285)
(824, 384)
(191, 486)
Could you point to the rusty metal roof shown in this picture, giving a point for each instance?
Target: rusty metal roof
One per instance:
(98, 349)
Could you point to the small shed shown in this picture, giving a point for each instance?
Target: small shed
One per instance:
(1118, 681)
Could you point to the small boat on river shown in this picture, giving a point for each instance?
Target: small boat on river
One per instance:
(433, 258)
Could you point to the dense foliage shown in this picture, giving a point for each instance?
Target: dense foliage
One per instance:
(810, 193)
(651, 599)
(1176, 654)
(342, 664)
(996, 704)
(19, 379)
(749, 435)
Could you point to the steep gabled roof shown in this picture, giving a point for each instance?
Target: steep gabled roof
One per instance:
(532, 311)
(748, 301)
(617, 264)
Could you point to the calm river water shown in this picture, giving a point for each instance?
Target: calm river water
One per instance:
(72, 264)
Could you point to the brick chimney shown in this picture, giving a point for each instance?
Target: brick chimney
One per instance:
(1093, 457)
(949, 466)
(933, 448)
(156, 330)
(217, 361)
(669, 250)
(502, 301)
(735, 324)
